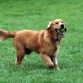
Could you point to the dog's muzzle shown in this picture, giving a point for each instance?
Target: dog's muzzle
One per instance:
(61, 30)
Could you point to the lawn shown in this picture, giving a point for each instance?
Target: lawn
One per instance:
(35, 14)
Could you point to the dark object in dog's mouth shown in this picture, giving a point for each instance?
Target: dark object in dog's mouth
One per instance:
(61, 31)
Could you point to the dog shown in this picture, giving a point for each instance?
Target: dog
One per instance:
(44, 42)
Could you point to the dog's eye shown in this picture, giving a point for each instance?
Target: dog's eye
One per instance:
(56, 23)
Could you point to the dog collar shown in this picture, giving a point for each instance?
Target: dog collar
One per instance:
(54, 40)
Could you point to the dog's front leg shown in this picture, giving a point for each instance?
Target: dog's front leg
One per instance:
(55, 62)
(47, 60)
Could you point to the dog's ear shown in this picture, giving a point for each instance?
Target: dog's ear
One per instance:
(49, 26)
(48, 29)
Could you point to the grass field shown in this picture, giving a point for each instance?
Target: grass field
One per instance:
(35, 15)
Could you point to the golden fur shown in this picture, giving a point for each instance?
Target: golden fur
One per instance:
(42, 42)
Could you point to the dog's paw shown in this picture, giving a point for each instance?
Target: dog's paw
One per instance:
(58, 69)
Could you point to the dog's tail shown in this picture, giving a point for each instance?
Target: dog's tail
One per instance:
(5, 34)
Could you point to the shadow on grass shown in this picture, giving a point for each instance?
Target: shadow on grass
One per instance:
(24, 67)
(28, 68)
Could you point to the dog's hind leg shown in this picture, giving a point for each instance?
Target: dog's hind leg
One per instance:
(19, 56)
(20, 52)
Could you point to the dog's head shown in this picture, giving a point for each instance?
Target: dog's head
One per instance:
(57, 26)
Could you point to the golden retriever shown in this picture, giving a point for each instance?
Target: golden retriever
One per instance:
(44, 42)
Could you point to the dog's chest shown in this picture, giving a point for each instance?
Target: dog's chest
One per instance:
(49, 49)
(52, 49)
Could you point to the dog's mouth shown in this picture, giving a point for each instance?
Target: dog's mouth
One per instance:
(61, 30)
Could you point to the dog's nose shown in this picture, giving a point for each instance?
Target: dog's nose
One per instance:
(62, 25)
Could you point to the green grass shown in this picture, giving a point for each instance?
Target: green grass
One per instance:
(35, 15)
